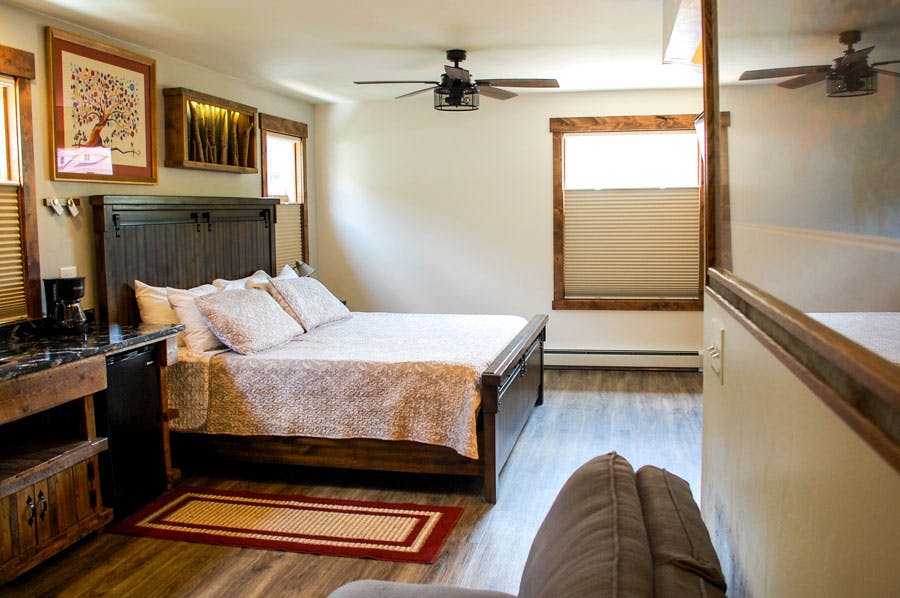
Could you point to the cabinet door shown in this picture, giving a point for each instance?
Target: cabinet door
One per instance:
(26, 510)
(6, 528)
(61, 498)
(85, 495)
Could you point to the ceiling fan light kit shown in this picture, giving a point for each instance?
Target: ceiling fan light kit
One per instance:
(837, 86)
(458, 92)
(454, 101)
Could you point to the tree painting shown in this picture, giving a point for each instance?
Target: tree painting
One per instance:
(106, 109)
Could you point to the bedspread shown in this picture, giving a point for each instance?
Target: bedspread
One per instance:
(376, 375)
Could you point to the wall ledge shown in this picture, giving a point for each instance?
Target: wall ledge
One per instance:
(862, 388)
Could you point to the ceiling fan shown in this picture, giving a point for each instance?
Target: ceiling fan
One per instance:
(847, 75)
(458, 91)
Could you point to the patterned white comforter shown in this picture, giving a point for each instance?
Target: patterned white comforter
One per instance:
(375, 375)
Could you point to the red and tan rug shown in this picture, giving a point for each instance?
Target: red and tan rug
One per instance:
(294, 523)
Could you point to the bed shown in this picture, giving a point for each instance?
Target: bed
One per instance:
(187, 241)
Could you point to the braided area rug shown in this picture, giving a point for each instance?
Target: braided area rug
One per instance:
(295, 523)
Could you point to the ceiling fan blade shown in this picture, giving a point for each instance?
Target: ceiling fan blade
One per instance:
(381, 82)
(414, 93)
(885, 62)
(789, 71)
(518, 82)
(885, 72)
(496, 92)
(455, 72)
(803, 80)
(856, 56)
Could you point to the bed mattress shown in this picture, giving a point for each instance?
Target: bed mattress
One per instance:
(375, 375)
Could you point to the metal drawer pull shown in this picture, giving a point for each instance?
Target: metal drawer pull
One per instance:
(32, 510)
(43, 502)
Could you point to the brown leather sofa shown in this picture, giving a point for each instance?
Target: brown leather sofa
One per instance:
(610, 532)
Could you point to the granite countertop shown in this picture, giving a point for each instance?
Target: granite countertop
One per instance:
(32, 346)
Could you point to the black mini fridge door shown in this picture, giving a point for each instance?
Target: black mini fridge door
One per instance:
(132, 471)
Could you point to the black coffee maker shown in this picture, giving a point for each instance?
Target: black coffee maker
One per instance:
(64, 302)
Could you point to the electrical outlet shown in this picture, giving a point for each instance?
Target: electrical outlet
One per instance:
(716, 350)
(67, 272)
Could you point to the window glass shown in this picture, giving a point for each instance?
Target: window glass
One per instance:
(8, 146)
(631, 160)
(283, 163)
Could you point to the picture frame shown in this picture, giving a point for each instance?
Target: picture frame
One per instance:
(102, 111)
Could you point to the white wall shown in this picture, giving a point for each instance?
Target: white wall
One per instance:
(797, 505)
(428, 211)
(815, 195)
(68, 241)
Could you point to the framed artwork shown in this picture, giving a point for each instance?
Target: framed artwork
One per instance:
(102, 111)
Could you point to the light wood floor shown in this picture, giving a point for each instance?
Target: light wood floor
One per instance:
(649, 417)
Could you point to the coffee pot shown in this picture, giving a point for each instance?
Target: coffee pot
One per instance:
(64, 302)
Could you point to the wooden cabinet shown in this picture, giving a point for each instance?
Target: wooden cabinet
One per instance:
(49, 483)
(209, 133)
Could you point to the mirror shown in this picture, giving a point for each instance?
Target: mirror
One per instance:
(813, 181)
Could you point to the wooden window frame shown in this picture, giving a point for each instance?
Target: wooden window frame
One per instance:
(559, 127)
(292, 128)
(19, 65)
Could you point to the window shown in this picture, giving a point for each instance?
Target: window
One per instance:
(20, 289)
(627, 213)
(284, 176)
(284, 161)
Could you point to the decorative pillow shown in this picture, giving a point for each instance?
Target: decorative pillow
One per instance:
(248, 321)
(154, 307)
(197, 335)
(308, 301)
(240, 283)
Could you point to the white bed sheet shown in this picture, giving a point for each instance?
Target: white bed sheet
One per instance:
(376, 375)
(879, 332)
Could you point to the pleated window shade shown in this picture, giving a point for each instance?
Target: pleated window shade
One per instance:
(632, 243)
(288, 234)
(12, 278)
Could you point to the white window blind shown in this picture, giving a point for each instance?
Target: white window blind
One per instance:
(632, 243)
(288, 233)
(12, 277)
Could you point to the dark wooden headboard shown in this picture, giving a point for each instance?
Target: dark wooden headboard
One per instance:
(176, 241)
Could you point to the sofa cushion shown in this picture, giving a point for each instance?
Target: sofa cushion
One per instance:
(387, 589)
(592, 542)
(684, 560)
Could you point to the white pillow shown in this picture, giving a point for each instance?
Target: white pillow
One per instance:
(154, 307)
(287, 273)
(241, 283)
(197, 335)
(248, 321)
(308, 301)
(153, 304)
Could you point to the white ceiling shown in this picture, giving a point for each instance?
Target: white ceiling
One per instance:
(315, 49)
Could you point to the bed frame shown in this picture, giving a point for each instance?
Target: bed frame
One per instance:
(187, 241)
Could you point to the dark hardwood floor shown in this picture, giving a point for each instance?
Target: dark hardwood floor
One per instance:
(649, 417)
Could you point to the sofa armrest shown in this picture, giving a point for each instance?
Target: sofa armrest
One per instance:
(684, 560)
(370, 588)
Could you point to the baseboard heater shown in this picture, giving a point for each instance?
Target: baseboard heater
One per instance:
(612, 359)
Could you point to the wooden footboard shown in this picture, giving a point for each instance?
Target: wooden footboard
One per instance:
(511, 386)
